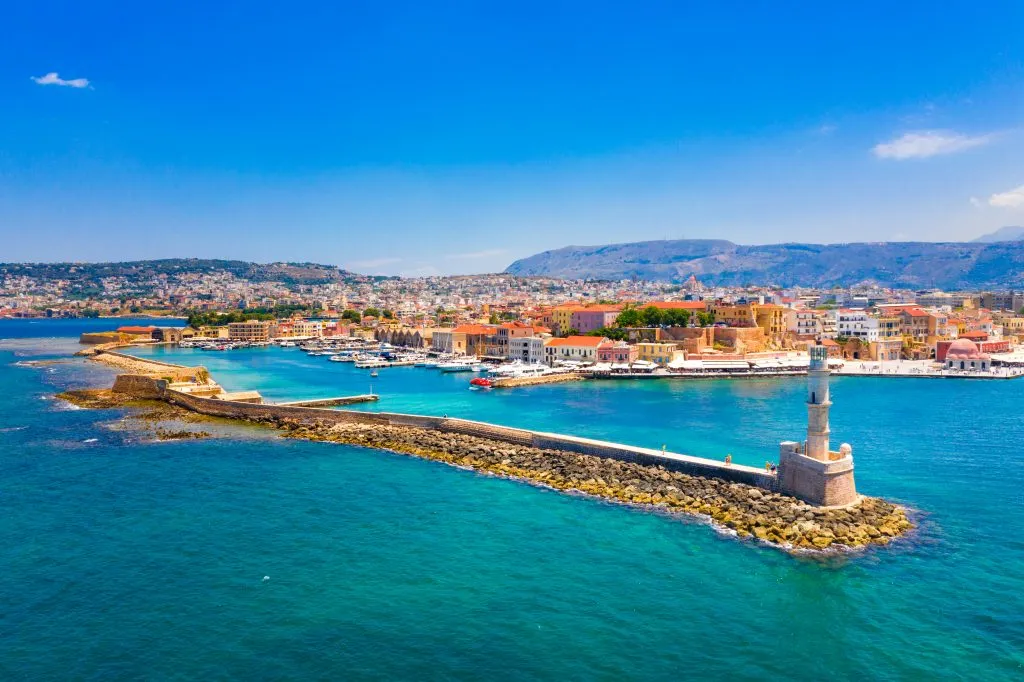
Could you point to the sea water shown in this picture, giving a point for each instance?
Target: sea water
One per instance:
(257, 557)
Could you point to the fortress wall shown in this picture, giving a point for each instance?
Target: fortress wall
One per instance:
(140, 386)
(149, 361)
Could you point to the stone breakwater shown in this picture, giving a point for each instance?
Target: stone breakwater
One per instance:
(750, 511)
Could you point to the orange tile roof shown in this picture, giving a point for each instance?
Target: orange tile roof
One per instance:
(578, 341)
(474, 329)
(676, 305)
(603, 308)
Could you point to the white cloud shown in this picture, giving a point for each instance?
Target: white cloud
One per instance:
(976, 202)
(487, 253)
(1013, 198)
(926, 143)
(53, 79)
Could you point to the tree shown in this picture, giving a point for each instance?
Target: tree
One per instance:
(571, 332)
(371, 312)
(675, 317)
(493, 319)
(629, 317)
(705, 318)
(615, 334)
(651, 316)
(388, 314)
(350, 315)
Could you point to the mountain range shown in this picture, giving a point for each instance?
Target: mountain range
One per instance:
(911, 265)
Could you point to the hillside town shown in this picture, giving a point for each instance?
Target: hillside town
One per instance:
(619, 328)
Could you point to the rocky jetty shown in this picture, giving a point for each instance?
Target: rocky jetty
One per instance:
(750, 511)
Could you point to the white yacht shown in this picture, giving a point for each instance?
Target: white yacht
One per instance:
(456, 366)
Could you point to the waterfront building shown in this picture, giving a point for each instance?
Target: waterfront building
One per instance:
(577, 348)
(617, 352)
(658, 353)
(498, 345)
(963, 354)
(308, 328)
(251, 331)
(466, 339)
(529, 349)
(812, 471)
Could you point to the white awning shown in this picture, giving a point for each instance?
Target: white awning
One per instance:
(726, 364)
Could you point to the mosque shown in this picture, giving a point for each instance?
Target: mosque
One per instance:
(964, 354)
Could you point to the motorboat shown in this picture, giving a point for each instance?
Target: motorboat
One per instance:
(481, 382)
(456, 366)
(371, 363)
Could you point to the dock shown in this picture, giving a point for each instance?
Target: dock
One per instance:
(331, 402)
(510, 382)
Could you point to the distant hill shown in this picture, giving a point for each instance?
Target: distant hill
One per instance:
(1010, 233)
(287, 273)
(713, 261)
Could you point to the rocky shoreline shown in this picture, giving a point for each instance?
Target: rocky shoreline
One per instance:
(749, 511)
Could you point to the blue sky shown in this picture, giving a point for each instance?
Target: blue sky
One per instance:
(420, 138)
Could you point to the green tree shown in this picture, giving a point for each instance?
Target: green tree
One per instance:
(371, 312)
(571, 332)
(613, 333)
(675, 317)
(705, 318)
(350, 314)
(651, 316)
(388, 314)
(629, 317)
(493, 319)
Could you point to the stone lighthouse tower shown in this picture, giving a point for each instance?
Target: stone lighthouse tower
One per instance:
(818, 404)
(811, 471)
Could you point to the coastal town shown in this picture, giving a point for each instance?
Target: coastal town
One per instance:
(602, 329)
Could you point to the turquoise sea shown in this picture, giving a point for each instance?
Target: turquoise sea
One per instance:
(123, 559)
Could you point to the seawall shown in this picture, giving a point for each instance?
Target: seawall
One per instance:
(743, 499)
(696, 466)
(510, 382)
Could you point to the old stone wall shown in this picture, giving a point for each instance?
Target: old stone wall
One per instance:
(140, 386)
(822, 483)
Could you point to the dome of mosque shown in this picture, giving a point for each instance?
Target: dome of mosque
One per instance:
(964, 349)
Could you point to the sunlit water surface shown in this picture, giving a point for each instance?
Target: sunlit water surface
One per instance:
(256, 557)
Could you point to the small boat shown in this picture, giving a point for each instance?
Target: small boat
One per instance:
(373, 373)
(481, 382)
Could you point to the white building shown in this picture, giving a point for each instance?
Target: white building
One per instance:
(529, 349)
(804, 322)
(856, 324)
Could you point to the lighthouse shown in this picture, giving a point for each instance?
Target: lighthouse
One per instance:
(811, 470)
(818, 404)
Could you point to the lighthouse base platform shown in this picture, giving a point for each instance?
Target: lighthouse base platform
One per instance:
(823, 483)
